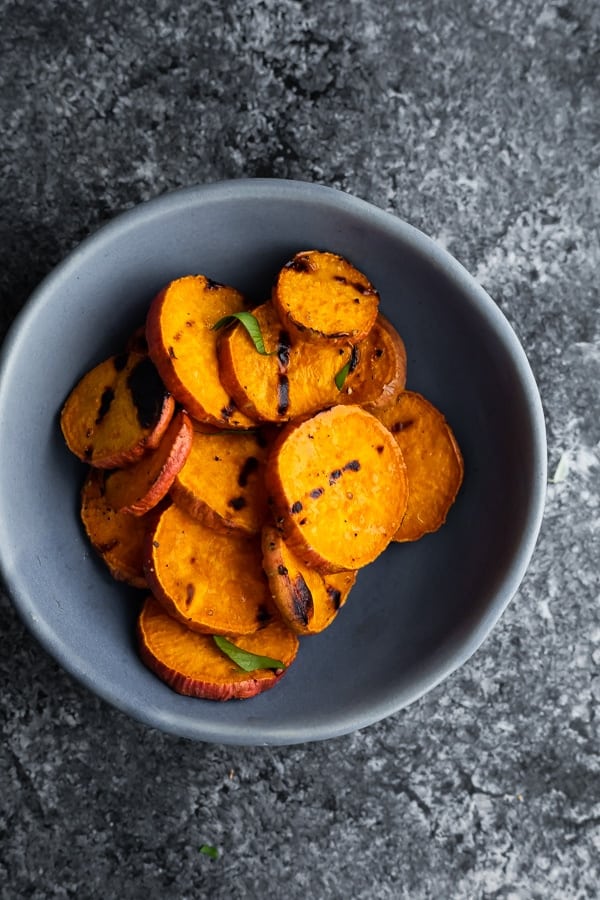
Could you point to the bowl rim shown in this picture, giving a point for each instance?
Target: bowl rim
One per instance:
(448, 659)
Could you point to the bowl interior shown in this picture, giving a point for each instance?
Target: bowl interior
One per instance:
(417, 612)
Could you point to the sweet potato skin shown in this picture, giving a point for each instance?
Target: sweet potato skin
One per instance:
(434, 462)
(222, 481)
(141, 486)
(191, 664)
(116, 412)
(337, 485)
(320, 295)
(212, 582)
(183, 346)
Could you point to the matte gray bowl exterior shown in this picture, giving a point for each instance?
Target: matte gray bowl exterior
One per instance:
(419, 611)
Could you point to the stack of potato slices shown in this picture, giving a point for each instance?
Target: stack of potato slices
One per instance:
(245, 464)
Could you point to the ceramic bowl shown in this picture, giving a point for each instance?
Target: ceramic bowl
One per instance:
(421, 609)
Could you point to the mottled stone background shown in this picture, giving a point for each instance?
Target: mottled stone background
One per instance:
(478, 122)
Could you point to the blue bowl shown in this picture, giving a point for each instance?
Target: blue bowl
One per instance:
(421, 609)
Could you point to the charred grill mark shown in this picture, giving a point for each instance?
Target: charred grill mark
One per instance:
(108, 546)
(401, 426)
(108, 395)
(172, 352)
(302, 600)
(237, 503)
(250, 466)
(378, 353)
(333, 476)
(316, 492)
(283, 395)
(334, 595)
(212, 285)
(357, 299)
(190, 323)
(354, 358)
(190, 590)
(379, 448)
(300, 264)
(296, 507)
(228, 410)
(352, 466)
(120, 361)
(341, 278)
(283, 350)
(147, 392)
(282, 570)
(263, 616)
(261, 438)
(364, 289)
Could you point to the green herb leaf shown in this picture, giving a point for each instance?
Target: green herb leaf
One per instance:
(341, 376)
(209, 851)
(245, 660)
(562, 469)
(251, 325)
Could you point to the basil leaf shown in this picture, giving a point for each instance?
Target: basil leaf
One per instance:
(341, 376)
(251, 325)
(209, 851)
(245, 660)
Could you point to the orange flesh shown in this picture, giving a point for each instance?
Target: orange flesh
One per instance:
(212, 582)
(118, 410)
(222, 481)
(183, 346)
(380, 371)
(117, 537)
(296, 379)
(192, 664)
(308, 603)
(324, 296)
(141, 486)
(434, 463)
(338, 485)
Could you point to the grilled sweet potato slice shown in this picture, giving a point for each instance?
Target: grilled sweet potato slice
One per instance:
(337, 483)
(191, 663)
(222, 481)
(138, 488)
(296, 378)
(322, 295)
(212, 582)
(118, 410)
(434, 463)
(377, 372)
(118, 538)
(183, 346)
(307, 602)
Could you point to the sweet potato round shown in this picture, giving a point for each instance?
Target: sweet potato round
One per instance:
(183, 346)
(321, 295)
(118, 538)
(434, 463)
(222, 481)
(307, 602)
(191, 663)
(117, 411)
(139, 487)
(379, 373)
(297, 378)
(212, 582)
(337, 483)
